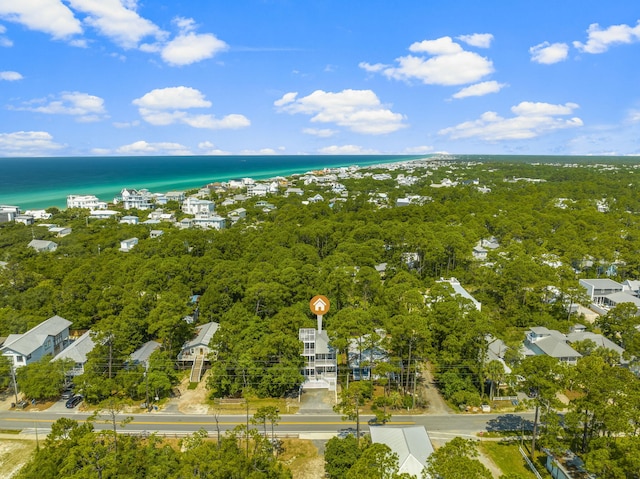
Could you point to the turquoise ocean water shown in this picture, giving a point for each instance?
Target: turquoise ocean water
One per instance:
(33, 183)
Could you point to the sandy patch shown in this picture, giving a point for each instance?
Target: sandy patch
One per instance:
(14, 453)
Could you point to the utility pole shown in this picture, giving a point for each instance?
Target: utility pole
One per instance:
(146, 380)
(246, 400)
(415, 380)
(15, 384)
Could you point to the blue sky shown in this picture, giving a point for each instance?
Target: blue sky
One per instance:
(126, 77)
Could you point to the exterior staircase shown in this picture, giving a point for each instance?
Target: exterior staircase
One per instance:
(196, 369)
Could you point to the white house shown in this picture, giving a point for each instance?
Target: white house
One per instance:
(257, 189)
(160, 215)
(607, 293)
(77, 352)
(209, 221)
(598, 289)
(294, 191)
(196, 206)
(128, 244)
(8, 213)
(48, 337)
(542, 341)
(60, 231)
(132, 198)
(579, 332)
(103, 214)
(25, 219)
(321, 366)
(85, 201)
(199, 345)
(43, 245)
(411, 444)
(39, 214)
(235, 184)
(129, 220)
(178, 196)
(142, 354)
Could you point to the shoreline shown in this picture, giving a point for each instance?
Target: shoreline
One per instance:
(57, 198)
(39, 183)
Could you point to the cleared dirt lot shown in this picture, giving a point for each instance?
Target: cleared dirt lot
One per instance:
(14, 453)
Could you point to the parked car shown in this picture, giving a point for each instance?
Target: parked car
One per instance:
(67, 394)
(74, 401)
(376, 422)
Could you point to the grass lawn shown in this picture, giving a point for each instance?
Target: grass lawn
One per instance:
(507, 457)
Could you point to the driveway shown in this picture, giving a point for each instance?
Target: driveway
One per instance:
(430, 392)
(317, 401)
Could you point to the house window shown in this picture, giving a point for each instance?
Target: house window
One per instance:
(19, 359)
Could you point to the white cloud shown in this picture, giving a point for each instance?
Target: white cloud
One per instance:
(27, 143)
(378, 67)
(286, 98)
(547, 53)
(449, 64)
(260, 152)
(357, 110)
(210, 149)
(4, 41)
(228, 122)
(347, 150)
(440, 46)
(530, 121)
(480, 89)
(634, 116)
(85, 107)
(144, 148)
(166, 106)
(179, 97)
(100, 151)
(599, 41)
(537, 109)
(49, 16)
(10, 76)
(319, 132)
(189, 47)
(418, 150)
(480, 40)
(117, 20)
(126, 124)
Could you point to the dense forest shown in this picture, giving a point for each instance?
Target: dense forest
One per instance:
(554, 224)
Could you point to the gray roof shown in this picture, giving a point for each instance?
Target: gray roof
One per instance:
(205, 333)
(557, 349)
(602, 283)
(141, 355)
(598, 339)
(78, 350)
(410, 443)
(322, 343)
(41, 244)
(621, 297)
(28, 342)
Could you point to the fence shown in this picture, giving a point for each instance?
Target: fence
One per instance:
(529, 463)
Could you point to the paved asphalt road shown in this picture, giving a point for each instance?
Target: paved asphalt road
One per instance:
(442, 426)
